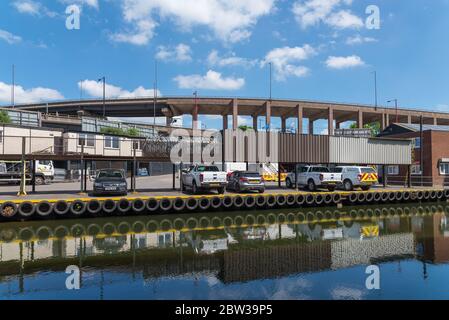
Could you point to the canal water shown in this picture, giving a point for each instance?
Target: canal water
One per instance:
(302, 254)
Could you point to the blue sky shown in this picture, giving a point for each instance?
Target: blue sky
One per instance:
(319, 49)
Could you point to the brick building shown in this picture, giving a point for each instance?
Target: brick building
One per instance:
(435, 146)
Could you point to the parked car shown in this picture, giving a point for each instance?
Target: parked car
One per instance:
(110, 182)
(357, 177)
(240, 181)
(10, 172)
(314, 177)
(202, 177)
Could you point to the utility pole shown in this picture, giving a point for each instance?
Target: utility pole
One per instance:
(103, 79)
(13, 86)
(396, 107)
(375, 90)
(270, 80)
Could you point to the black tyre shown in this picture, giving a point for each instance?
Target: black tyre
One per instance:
(194, 188)
(39, 180)
(347, 185)
(311, 185)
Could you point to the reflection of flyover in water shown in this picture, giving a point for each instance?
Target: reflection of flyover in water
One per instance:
(159, 253)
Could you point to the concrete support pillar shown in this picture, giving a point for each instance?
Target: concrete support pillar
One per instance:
(255, 123)
(382, 124)
(268, 115)
(387, 120)
(283, 124)
(235, 114)
(168, 121)
(225, 122)
(330, 122)
(195, 116)
(435, 121)
(360, 119)
(300, 118)
(311, 126)
(409, 119)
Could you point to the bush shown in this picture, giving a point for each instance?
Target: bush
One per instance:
(131, 132)
(4, 117)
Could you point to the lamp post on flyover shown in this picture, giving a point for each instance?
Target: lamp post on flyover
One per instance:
(13, 86)
(270, 80)
(375, 90)
(396, 107)
(104, 95)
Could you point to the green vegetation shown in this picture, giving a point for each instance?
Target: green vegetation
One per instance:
(131, 132)
(4, 117)
(245, 128)
(374, 127)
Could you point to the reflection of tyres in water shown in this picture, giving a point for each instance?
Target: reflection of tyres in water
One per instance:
(377, 212)
(250, 219)
(139, 226)
(261, 219)
(446, 210)
(192, 204)
(250, 202)
(353, 213)
(377, 196)
(227, 202)
(291, 217)
(310, 199)
(152, 204)
(166, 204)
(261, 201)
(407, 211)
(109, 206)
(440, 208)
(301, 217)
(61, 232)
(291, 200)
(319, 199)
(44, 208)
(78, 207)
(336, 215)
(26, 209)
(433, 209)
(281, 200)
(204, 203)
(216, 222)
(427, 211)
(238, 201)
(94, 206)
(319, 215)
(93, 229)
(271, 201)
(61, 207)
(300, 199)
(271, 218)
(348, 223)
(109, 228)
(165, 225)
(399, 211)
(43, 233)
(328, 198)
(26, 234)
(369, 197)
(310, 216)
(77, 230)
(361, 197)
(281, 218)
(216, 202)
(361, 213)
(192, 223)
(152, 226)
(238, 220)
(179, 204)
(7, 235)
(385, 212)
(406, 196)
(398, 196)
(138, 205)
(227, 221)
(8, 209)
(179, 224)
(328, 214)
(124, 205)
(421, 211)
(204, 222)
(392, 211)
(123, 227)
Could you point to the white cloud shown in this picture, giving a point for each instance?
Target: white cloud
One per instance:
(312, 12)
(32, 95)
(95, 89)
(344, 62)
(90, 3)
(285, 61)
(358, 39)
(9, 37)
(33, 8)
(181, 53)
(211, 81)
(213, 59)
(229, 20)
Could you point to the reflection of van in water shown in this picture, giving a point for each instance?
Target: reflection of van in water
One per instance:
(10, 171)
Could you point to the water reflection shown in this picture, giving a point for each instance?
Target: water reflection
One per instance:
(280, 254)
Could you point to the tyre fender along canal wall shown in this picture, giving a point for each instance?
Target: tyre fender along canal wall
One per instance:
(38, 209)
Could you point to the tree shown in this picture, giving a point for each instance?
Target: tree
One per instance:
(245, 128)
(4, 117)
(132, 132)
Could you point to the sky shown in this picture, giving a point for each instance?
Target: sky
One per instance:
(324, 50)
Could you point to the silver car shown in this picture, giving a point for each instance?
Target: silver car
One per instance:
(240, 181)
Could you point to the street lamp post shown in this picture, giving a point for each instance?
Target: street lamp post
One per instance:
(13, 86)
(396, 107)
(103, 79)
(375, 90)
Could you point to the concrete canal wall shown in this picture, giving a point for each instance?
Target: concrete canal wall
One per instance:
(92, 207)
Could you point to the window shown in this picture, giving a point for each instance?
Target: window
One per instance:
(137, 145)
(417, 143)
(393, 170)
(87, 140)
(415, 169)
(444, 168)
(111, 142)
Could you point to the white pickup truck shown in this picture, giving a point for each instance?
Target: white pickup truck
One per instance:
(201, 177)
(314, 177)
